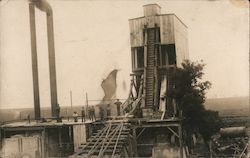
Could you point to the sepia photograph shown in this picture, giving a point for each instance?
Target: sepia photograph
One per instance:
(124, 79)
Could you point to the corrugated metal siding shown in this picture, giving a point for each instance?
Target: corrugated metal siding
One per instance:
(181, 41)
(152, 20)
(136, 31)
(167, 29)
(137, 26)
(172, 31)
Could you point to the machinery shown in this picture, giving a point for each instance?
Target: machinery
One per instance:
(158, 46)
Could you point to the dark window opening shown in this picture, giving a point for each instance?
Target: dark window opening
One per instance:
(164, 58)
(167, 56)
(137, 57)
(140, 57)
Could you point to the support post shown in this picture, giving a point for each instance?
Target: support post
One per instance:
(43, 143)
(34, 61)
(71, 101)
(156, 84)
(145, 67)
(135, 143)
(180, 140)
(87, 106)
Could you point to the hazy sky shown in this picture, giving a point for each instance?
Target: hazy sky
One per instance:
(92, 38)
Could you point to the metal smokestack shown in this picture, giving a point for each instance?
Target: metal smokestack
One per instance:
(34, 62)
(43, 5)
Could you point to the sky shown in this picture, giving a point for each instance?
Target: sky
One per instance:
(92, 39)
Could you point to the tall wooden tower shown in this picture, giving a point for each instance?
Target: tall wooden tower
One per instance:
(158, 45)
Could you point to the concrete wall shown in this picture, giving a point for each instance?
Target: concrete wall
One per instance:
(79, 134)
(22, 146)
(166, 151)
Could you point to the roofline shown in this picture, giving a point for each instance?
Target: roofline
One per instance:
(152, 4)
(162, 15)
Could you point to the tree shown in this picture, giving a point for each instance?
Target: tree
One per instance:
(190, 94)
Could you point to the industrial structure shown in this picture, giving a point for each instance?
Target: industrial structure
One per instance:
(45, 7)
(151, 124)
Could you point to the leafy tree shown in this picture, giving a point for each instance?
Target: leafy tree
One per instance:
(190, 94)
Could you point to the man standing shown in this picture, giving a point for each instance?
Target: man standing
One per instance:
(75, 116)
(89, 113)
(57, 109)
(118, 107)
(93, 113)
(83, 114)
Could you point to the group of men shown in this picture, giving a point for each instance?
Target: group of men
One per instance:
(91, 112)
(105, 109)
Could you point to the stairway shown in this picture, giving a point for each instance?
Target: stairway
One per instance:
(107, 142)
(150, 68)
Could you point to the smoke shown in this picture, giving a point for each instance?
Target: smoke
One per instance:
(43, 5)
(124, 86)
(109, 85)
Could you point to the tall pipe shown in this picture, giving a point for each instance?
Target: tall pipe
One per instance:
(43, 5)
(34, 62)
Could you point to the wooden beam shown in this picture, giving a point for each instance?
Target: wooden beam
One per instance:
(140, 133)
(135, 143)
(180, 140)
(173, 132)
(145, 65)
(43, 144)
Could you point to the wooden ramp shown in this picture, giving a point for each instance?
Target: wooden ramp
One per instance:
(111, 142)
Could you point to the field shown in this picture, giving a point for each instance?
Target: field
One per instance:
(231, 110)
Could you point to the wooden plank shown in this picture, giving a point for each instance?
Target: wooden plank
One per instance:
(180, 140)
(163, 93)
(181, 41)
(135, 143)
(136, 32)
(117, 141)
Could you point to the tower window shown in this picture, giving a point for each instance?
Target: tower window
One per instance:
(167, 55)
(138, 57)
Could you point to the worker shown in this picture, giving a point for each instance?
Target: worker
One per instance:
(108, 110)
(118, 107)
(101, 113)
(83, 114)
(58, 110)
(93, 112)
(75, 116)
(89, 112)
